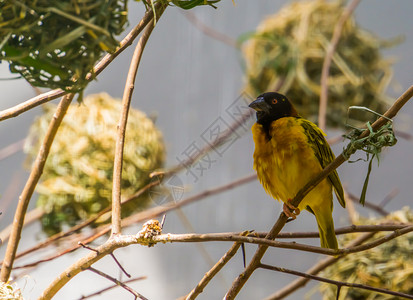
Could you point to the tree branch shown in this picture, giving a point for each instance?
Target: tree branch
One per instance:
(31, 183)
(77, 227)
(327, 62)
(112, 287)
(108, 247)
(149, 214)
(318, 267)
(335, 282)
(120, 241)
(212, 272)
(118, 283)
(121, 131)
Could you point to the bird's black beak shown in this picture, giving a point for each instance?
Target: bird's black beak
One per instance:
(260, 105)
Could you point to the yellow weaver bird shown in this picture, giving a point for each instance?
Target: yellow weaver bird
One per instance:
(289, 152)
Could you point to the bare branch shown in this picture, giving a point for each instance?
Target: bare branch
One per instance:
(111, 287)
(75, 228)
(121, 131)
(30, 217)
(214, 237)
(11, 149)
(117, 282)
(108, 247)
(222, 138)
(31, 183)
(335, 282)
(377, 208)
(207, 30)
(149, 214)
(318, 267)
(227, 236)
(212, 272)
(327, 62)
(120, 241)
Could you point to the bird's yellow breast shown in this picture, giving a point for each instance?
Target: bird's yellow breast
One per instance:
(285, 162)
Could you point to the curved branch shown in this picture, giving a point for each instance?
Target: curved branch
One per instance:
(327, 62)
(335, 282)
(317, 268)
(120, 241)
(121, 129)
(213, 271)
(31, 183)
(230, 237)
(107, 248)
(151, 213)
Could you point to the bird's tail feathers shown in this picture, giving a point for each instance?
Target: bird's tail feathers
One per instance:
(326, 229)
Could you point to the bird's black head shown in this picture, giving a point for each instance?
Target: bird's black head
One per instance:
(272, 106)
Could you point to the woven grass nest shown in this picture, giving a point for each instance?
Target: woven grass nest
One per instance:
(51, 42)
(77, 179)
(388, 266)
(287, 51)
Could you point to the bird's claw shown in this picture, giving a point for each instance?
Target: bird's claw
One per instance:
(290, 210)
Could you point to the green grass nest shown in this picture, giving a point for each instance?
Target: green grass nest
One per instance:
(51, 42)
(287, 51)
(77, 179)
(388, 266)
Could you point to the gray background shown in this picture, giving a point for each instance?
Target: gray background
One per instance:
(188, 79)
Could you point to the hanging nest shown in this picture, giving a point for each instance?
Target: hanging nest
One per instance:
(77, 178)
(50, 42)
(287, 52)
(388, 266)
(10, 291)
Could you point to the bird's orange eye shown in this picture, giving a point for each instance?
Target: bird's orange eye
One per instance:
(274, 101)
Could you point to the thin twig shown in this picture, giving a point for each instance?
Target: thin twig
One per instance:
(119, 283)
(209, 147)
(335, 282)
(99, 67)
(377, 208)
(213, 271)
(350, 208)
(121, 241)
(225, 237)
(111, 287)
(119, 265)
(121, 128)
(243, 277)
(209, 31)
(108, 247)
(327, 61)
(11, 149)
(78, 227)
(317, 268)
(390, 196)
(31, 183)
(201, 247)
(111, 254)
(150, 214)
(88, 247)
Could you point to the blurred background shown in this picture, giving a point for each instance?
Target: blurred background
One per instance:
(187, 80)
